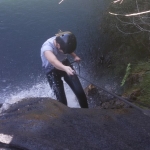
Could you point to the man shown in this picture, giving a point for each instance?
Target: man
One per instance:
(54, 59)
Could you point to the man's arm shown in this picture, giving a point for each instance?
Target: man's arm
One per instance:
(76, 58)
(57, 64)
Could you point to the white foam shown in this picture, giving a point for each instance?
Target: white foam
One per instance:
(41, 89)
(5, 138)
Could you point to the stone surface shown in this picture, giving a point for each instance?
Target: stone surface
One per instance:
(102, 99)
(46, 124)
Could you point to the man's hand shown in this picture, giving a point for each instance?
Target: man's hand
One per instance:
(77, 59)
(69, 70)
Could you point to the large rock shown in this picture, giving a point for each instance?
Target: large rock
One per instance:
(46, 124)
(97, 97)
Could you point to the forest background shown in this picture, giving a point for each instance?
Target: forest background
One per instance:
(127, 24)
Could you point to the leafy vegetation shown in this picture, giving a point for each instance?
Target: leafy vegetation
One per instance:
(127, 74)
(127, 25)
(137, 87)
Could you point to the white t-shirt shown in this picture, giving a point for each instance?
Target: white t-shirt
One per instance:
(49, 46)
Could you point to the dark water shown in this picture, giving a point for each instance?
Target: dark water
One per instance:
(26, 24)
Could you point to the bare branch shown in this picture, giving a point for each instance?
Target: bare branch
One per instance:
(116, 1)
(128, 15)
(140, 16)
(130, 23)
(126, 32)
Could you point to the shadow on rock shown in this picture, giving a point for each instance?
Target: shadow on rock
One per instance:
(46, 124)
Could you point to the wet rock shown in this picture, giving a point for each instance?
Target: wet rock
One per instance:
(135, 93)
(91, 90)
(46, 124)
(105, 105)
(135, 78)
(102, 99)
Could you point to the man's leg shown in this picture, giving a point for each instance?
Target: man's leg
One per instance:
(54, 79)
(76, 87)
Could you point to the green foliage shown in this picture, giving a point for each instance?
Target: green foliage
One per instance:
(139, 79)
(144, 98)
(129, 42)
(126, 74)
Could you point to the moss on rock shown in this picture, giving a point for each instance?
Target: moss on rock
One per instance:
(137, 87)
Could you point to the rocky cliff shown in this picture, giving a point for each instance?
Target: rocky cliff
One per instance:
(46, 124)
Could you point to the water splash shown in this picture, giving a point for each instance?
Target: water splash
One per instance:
(41, 89)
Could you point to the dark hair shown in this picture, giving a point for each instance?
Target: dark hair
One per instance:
(67, 41)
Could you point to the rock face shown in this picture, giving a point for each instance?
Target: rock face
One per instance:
(102, 99)
(46, 124)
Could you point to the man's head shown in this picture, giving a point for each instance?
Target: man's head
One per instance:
(67, 42)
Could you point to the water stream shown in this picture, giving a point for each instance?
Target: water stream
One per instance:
(25, 25)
